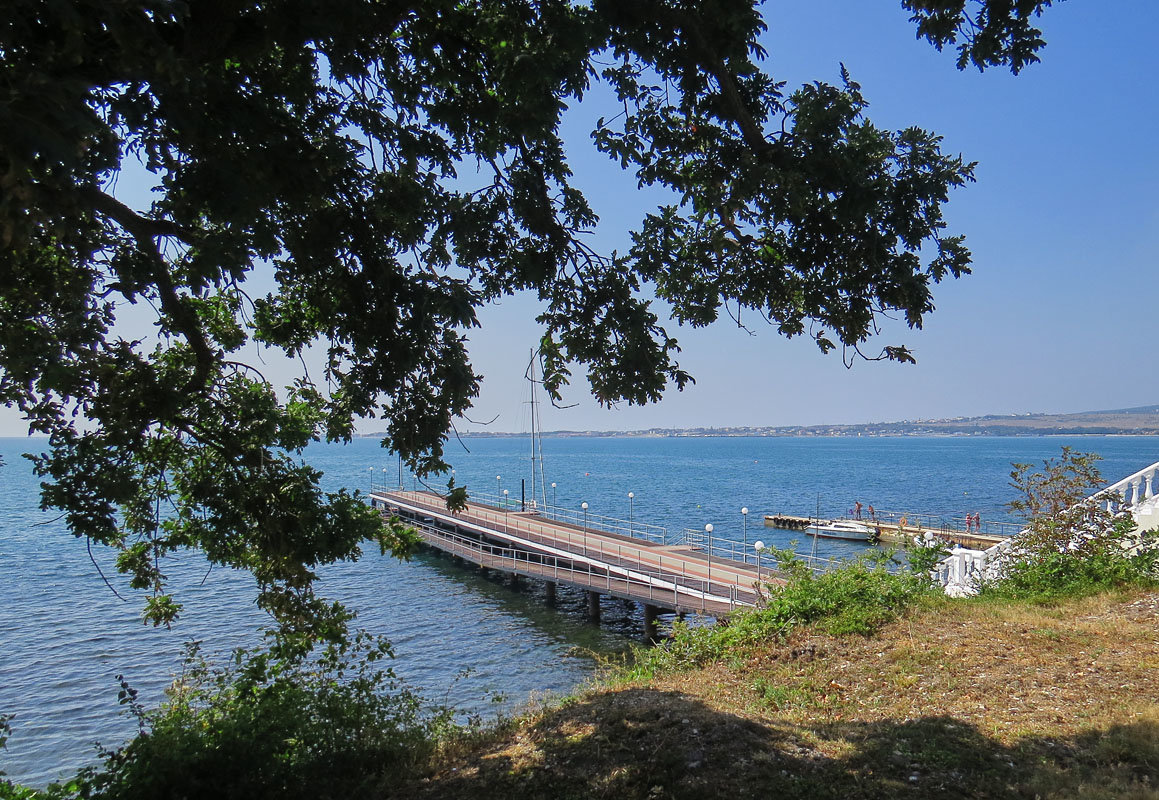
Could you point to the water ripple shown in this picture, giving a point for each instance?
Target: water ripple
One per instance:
(65, 636)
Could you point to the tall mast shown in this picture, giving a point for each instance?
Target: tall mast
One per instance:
(536, 440)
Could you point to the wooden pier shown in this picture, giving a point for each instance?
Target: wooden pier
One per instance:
(892, 526)
(787, 522)
(895, 532)
(678, 578)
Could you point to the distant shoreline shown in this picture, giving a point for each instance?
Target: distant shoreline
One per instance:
(721, 435)
(1142, 421)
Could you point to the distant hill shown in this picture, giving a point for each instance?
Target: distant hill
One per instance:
(1139, 410)
(1140, 421)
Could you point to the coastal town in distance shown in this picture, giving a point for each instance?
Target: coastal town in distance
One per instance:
(1139, 421)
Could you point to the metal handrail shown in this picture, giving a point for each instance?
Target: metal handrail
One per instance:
(631, 528)
(534, 531)
(942, 523)
(552, 566)
(717, 547)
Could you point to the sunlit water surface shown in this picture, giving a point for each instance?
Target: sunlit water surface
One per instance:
(64, 635)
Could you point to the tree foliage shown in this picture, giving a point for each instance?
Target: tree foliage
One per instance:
(356, 179)
(984, 33)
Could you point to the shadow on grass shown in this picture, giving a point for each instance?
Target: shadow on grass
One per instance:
(642, 743)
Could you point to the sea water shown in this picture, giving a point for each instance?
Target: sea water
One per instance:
(467, 641)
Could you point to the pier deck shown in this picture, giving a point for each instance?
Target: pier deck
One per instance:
(675, 577)
(894, 527)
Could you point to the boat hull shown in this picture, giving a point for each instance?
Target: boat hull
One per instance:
(853, 532)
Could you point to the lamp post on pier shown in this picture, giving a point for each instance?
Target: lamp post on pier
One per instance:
(708, 530)
(744, 515)
(505, 511)
(584, 506)
(498, 486)
(758, 546)
(371, 478)
(384, 479)
(553, 512)
(631, 510)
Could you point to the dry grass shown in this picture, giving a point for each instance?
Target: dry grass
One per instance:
(966, 700)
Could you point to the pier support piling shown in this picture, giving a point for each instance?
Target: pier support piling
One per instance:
(549, 597)
(650, 613)
(594, 606)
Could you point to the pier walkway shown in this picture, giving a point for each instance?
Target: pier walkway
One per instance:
(675, 577)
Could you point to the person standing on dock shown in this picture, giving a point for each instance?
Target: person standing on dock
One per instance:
(872, 514)
(969, 521)
(857, 509)
(977, 522)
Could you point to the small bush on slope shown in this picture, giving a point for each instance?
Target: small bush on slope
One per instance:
(334, 727)
(855, 599)
(1073, 545)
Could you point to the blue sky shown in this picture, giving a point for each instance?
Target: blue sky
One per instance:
(1063, 224)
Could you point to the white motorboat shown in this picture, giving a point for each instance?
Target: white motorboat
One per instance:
(841, 529)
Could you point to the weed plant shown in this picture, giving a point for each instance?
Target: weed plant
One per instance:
(855, 599)
(1055, 561)
(334, 726)
(1073, 545)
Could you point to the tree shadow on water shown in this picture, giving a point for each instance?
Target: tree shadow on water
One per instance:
(643, 743)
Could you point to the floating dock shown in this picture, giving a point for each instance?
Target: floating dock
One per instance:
(787, 522)
(890, 526)
(893, 532)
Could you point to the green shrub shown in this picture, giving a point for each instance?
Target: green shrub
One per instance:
(1057, 562)
(855, 599)
(335, 726)
(1073, 545)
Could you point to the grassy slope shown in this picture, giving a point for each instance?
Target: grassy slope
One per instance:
(964, 699)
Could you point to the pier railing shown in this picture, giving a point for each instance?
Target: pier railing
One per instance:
(575, 516)
(941, 523)
(617, 576)
(744, 553)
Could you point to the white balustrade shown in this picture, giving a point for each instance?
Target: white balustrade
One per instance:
(961, 571)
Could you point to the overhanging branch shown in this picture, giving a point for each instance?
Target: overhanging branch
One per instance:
(146, 231)
(143, 229)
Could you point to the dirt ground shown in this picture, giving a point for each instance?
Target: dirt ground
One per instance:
(966, 699)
